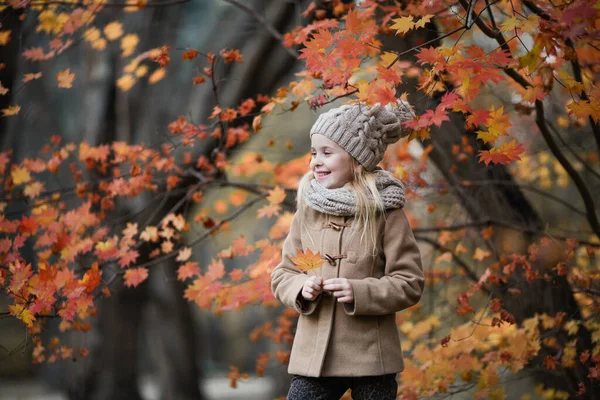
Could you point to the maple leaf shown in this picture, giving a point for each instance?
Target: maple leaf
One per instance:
(128, 257)
(30, 77)
(11, 110)
(402, 25)
(3, 90)
(4, 37)
(506, 153)
(135, 276)
(19, 311)
(65, 78)
(20, 175)
(33, 189)
(150, 234)
(481, 254)
(190, 54)
(276, 196)
(236, 275)
(184, 254)
(188, 270)
(232, 55)
(307, 261)
(268, 211)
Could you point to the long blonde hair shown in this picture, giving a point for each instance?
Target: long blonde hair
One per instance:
(369, 204)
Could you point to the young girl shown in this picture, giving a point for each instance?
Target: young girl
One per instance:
(350, 211)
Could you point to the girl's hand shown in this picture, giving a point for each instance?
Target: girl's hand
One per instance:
(340, 288)
(312, 287)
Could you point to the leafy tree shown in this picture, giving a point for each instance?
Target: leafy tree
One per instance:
(497, 86)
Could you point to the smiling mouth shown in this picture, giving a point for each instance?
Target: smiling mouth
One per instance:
(321, 175)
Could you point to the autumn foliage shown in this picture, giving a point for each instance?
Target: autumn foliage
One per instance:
(538, 53)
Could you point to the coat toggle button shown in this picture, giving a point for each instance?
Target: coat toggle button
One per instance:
(330, 259)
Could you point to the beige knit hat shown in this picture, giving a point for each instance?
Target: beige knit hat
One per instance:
(363, 131)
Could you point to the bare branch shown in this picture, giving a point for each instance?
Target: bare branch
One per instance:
(264, 23)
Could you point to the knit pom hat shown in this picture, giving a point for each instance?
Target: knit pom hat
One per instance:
(363, 131)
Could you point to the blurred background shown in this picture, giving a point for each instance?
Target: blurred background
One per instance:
(151, 343)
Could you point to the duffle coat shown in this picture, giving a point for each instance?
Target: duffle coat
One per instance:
(358, 339)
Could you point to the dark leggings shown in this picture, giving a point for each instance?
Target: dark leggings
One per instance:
(381, 387)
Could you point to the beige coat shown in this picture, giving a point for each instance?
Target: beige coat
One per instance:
(356, 339)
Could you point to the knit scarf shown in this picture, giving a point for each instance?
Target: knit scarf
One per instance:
(341, 201)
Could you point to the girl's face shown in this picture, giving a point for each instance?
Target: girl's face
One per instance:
(331, 165)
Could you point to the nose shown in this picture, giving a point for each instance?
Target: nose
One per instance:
(315, 161)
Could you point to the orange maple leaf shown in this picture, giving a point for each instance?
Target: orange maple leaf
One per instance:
(236, 275)
(268, 211)
(135, 276)
(481, 254)
(307, 261)
(188, 270)
(11, 110)
(65, 78)
(276, 196)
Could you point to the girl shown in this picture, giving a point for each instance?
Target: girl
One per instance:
(350, 212)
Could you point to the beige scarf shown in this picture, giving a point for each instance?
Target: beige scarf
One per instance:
(341, 201)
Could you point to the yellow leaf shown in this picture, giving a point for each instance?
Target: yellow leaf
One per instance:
(403, 24)
(99, 44)
(510, 24)
(21, 313)
(3, 90)
(157, 75)
(126, 82)
(113, 31)
(31, 77)
(447, 256)
(91, 34)
(276, 196)
(11, 110)
(530, 24)
(150, 234)
(4, 37)
(481, 254)
(307, 261)
(141, 71)
(128, 44)
(424, 20)
(20, 175)
(33, 189)
(65, 78)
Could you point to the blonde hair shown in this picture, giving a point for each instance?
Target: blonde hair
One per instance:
(369, 204)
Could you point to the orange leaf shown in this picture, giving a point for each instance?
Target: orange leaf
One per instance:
(307, 261)
(276, 195)
(268, 211)
(11, 110)
(65, 78)
(236, 275)
(481, 254)
(188, 270)
(135, 276)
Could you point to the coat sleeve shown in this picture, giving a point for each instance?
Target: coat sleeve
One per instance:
(287, 280)
(403, 280)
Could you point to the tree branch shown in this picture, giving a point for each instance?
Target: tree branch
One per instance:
(264, 23)
(541, 123)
